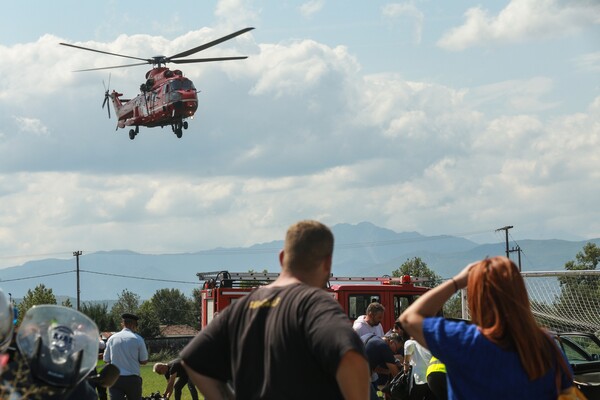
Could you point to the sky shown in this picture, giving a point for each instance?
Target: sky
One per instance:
(455, 117)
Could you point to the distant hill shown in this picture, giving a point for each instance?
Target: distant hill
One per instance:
(361, 250)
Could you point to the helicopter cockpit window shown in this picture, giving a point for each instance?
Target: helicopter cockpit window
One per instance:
(181, 84)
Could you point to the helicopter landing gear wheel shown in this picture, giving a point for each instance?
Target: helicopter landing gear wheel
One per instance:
(132, 134)
(177, 128)
(185, 125)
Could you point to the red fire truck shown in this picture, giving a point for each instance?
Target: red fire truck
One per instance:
(223, 288)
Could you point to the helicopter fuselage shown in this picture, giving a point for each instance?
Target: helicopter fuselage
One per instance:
(166, 98)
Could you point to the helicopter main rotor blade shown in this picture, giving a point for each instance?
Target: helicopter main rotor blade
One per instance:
(209, 44)
(107, 52)
(116, 66)
(197, 60)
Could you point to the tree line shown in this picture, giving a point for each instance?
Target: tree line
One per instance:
(165, 307)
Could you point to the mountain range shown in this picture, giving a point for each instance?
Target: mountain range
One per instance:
(362, 249)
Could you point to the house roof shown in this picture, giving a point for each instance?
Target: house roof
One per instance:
(177, 330)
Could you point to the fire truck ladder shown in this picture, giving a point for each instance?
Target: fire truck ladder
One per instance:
(236, 279)
(250, 279)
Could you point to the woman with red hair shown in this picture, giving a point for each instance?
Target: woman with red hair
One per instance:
(503, 354)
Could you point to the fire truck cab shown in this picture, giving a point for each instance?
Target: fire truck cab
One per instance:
(220, 289)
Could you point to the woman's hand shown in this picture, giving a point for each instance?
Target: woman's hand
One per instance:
(462, 278)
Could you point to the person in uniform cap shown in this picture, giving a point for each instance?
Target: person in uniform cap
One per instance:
(127, 350)
(130, 316)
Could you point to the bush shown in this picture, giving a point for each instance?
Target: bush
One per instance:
(164, 355)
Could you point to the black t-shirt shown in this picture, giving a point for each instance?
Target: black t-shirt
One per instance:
(175, 367)
(276, 343)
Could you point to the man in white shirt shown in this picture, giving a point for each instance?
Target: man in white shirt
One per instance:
(126, 350)
(371, 322)
(419, 357)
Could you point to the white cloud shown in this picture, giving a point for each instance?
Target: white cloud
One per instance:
(311, 7)
(298, 68)
(31, 125)
(521, 20)
(589, 62)
(236, 14)
(409, 10)
(514, 96)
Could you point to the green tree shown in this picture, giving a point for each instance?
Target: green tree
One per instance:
(67, 303)
(98, 313)
(453, 307)
(197, 307)
(587, 259)
(127, 302)
(40, 295)
(148, 325)
(580, 287)
(172, 307)
(419, 269)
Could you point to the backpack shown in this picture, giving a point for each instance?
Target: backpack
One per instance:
(399, 387)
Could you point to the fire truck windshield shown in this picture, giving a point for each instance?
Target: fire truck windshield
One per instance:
(358, 303)
(181, 84)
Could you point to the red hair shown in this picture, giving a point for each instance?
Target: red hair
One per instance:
(499, 305)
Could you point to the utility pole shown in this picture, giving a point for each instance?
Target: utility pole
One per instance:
(76, 254)
(518, 250)
(508, 250)
(505, 229)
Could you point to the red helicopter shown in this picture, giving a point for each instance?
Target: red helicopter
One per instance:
(167, 97)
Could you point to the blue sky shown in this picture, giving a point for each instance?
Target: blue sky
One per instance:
(438, 117)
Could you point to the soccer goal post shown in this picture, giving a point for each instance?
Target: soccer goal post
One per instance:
(561, 300)
(565, 300)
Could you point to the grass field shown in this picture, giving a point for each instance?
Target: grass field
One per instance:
(155, 383)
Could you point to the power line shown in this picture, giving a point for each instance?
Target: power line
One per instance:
(36, 276)
(140, 278)
(521, 251)
(99, 273)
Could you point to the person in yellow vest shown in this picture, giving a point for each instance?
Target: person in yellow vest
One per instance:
(436, 379)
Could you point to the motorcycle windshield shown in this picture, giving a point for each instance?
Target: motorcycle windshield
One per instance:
(59, 343)
(6, 321)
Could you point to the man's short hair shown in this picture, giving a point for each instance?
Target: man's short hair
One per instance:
(158, 366)
(374, 308)
(306, 244)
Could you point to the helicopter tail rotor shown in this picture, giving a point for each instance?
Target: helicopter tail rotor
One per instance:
(106, 96)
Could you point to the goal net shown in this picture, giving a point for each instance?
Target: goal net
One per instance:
(562, 301)
(565, 300)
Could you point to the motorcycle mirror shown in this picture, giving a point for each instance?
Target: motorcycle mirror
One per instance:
(107, 376)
